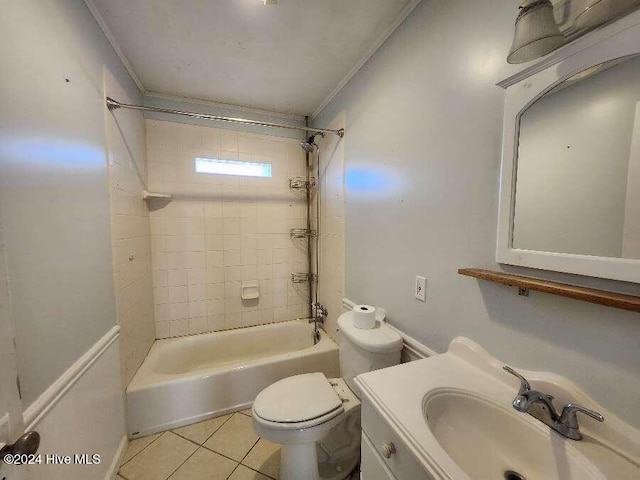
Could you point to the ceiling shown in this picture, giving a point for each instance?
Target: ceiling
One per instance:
(290, 57)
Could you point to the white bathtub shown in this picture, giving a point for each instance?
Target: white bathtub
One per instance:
(189, 379)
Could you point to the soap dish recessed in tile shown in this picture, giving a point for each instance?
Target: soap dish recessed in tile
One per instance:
(250, 291)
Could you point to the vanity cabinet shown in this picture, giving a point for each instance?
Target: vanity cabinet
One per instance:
(372, 466)
(384, 454)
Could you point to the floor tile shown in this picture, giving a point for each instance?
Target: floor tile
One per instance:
(235, 438)
(264, 457)
(247, 412)
(199, 432)
(205, 465)
(245, 473)
(160, 459)
(139, 444)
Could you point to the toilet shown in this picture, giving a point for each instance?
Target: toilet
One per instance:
(316, 419)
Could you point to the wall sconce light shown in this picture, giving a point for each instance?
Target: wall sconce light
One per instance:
(599, 11)
(536, 32)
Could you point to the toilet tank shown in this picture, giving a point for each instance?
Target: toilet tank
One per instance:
(362, 351)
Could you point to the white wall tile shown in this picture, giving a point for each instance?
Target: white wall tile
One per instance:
(197, 292)
(177, 277)
(131, 230)
(162, 329)
(232, 258)
(178, 311)
(214, 290)
(179, 327)
(178, 294)
(198, 325)
(198, 309)
(215, 323)
(218, 231)
(196, 276)
(215, 306)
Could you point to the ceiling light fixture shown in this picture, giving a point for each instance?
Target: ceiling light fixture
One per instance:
(536, 32)
(270, 2)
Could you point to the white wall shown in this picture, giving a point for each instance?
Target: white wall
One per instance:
(573, 161)
(422, 148)
(220, 231)
(55, 211)
(53, 184)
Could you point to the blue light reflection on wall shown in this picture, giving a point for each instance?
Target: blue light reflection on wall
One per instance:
(50, 152)
(371, 180)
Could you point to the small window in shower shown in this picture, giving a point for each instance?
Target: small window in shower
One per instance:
(232, 167)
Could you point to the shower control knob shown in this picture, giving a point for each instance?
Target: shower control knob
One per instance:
(388, 449)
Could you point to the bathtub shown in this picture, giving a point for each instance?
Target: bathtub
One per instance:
(190, 379)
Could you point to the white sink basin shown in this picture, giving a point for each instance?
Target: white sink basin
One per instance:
(491, 442)
(453, 412)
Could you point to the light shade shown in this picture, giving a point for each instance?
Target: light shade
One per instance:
(599, 11)
(536, 32)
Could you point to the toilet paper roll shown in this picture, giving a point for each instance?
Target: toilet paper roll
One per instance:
(364, 317)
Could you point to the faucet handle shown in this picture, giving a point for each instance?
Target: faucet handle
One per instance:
(569, 415)
(524, 383)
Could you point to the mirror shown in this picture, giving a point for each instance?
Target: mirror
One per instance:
(577, 169)
(570, 175)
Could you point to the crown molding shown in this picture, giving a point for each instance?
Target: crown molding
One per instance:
(114, 44)
(375, 45)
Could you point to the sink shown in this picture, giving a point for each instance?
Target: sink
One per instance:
(488, 441)
(452, 415)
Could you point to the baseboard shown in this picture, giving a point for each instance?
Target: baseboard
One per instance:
(117, 459)
(412, 348)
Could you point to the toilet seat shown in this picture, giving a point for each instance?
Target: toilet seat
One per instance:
(298, 402)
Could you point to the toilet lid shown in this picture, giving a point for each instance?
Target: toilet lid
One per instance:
(297, 399)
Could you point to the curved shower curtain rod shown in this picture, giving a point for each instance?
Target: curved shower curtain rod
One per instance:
(114, 104)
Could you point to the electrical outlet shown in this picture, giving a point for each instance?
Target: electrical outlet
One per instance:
(420, 289)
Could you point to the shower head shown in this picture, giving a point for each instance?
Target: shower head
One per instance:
(310, 145)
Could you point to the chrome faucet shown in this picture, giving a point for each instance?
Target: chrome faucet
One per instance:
(540, 406)
(319, 313)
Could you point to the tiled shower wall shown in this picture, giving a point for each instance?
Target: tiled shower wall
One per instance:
(221, 232)
(130, 236)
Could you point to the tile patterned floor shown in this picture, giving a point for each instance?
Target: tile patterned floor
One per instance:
(217, 449)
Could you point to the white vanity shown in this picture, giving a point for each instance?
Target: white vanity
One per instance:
(451, 417)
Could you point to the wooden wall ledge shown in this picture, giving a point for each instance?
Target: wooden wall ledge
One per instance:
(592, 295)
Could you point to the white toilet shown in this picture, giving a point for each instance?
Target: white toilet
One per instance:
(317, 420)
